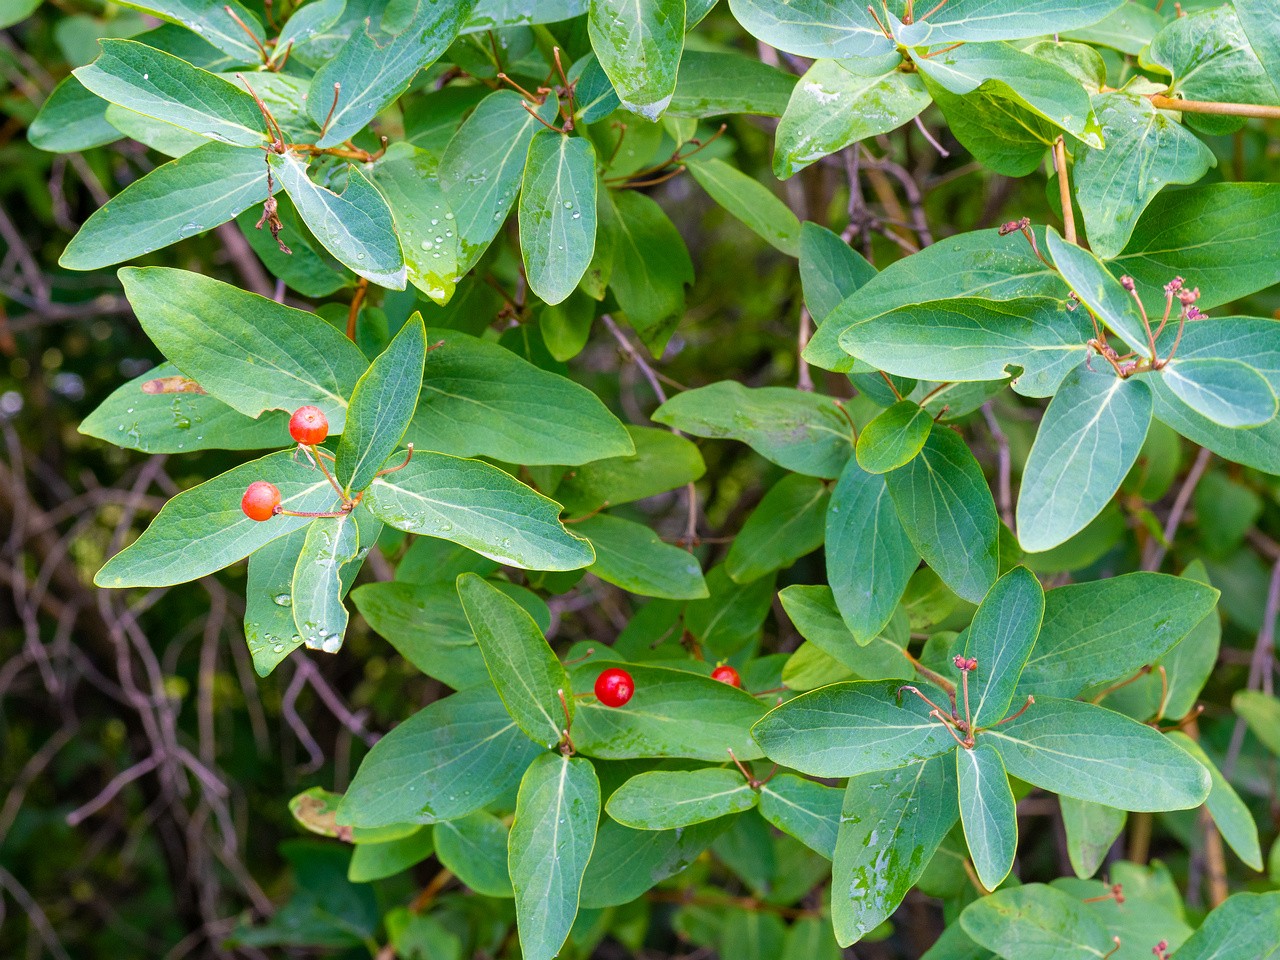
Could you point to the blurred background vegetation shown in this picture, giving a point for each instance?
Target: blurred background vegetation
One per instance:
(89, 681)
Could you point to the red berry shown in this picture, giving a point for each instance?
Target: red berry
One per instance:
(614, 687)
(260, 500)
(726, 674)
(309, 425)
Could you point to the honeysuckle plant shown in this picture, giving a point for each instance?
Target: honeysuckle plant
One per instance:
(455, 197)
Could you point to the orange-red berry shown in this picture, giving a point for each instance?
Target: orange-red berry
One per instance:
(309, 425)
(614, 687)
(726, 674)
(260, 500)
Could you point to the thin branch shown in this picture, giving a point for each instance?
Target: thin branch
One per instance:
(804, 379)
(1005, 464)
(1259, 665)
(1161, 102)
(114, 786)
(1153, 555)
(1064, 189)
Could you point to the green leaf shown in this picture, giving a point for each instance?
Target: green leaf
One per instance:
(1262, 713)
(639, 44)
(203, 529)
(1229, 812)
(1186, 668)
(431, 121)
(248, 351)
(806, 810)
(891, 824)
(480, 507)
(373, 74)
(356, 226)
(156, 84)
(732, 613)
(1147, 613)
(71, 119)
(750, 201)
(711, 84)
(160, 136)
(810, 938)
(667, 799)
(529, 678)
(177, 200)
(1000, 638)
(946, 508)
(1128, 29)
(787, 525)
(480, 399)
(811, 667)
(549, 848)
(450, 758)
(1036, 921)
(1227, 392)
(987, 812)
(830, 270)
(426, 624)
(317, 588)
(1245, 925)
(1043, 87)
(209, 19)
(1257, 447)
(662, 461)
(812, 28)
(1210, 58)
(1145, 150)
(813, 611)
(408, 182)
(627, 862)
(558, 213)
(1001, 134)
(594, 96)
(870, 557)
(955, 944)
(305, 268)
(377, 861)
(970, 339)
(566, 326)
(1088, 440)
(1002, 20)
(630, 555)
(651, 265)
(1224, 236)
(851, 728)
(894, 437)
(1091, 830)
(831, 108)
(269, 630)
(752, 935)
(483, 165)
(474, 848)
(1255, 20)
(381, 405)
(673, 713)
(1090, 753)
(1098, 289)
(304, 26)
(175, 422)
(800, 431)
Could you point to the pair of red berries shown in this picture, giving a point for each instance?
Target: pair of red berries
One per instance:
(308, 426)
(614, 686)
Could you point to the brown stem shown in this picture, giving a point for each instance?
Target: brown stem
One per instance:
(1064, 189)
(587, 516)
(1161, 102)
(337, 87)
(1142, 672)
(1030, 701)
(533, 113)
(407, 457)
(354, 312)
(891, 384)
(252, 35)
